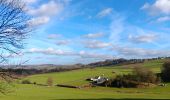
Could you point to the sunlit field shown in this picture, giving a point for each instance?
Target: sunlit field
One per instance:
(84, 49)
(77, 78)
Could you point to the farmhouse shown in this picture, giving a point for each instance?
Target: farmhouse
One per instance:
(98, 80)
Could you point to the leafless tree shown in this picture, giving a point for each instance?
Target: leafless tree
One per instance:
(13, 27)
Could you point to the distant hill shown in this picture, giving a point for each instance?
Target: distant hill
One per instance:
(108, 62)
(41, 66)
(121, 61)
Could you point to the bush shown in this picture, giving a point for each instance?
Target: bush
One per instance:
(142, 74)
(26, 82)
(165, 71)
(50, 81)
(35, 83)
(123, 81)
(139, 76)
(6, 87)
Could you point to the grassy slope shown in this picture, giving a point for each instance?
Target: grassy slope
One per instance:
(31, 92)
(76, 77)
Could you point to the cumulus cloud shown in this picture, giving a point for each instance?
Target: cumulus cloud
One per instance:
(85, 54)
(38, 21)
(146, 38)
(58, 52)
(51, 8)
(140, 52)
(43, 13)
(94, 44)
(49, 51)
(105, 12)
(159, 6)
(94, 35)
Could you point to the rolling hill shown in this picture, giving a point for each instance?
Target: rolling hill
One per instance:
(77, 77)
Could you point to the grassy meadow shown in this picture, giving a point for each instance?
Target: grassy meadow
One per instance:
(77, 77)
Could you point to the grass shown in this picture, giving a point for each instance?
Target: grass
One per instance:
(77, 77)
(31, 92)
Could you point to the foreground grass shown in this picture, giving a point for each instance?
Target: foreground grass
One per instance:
(31, 92)
(77, 77)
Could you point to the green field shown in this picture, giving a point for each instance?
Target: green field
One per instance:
(77, 77)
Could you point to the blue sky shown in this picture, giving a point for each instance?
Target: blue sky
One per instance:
(84, 31)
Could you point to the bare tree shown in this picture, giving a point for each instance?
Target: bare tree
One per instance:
(13, 27)
(13, 30)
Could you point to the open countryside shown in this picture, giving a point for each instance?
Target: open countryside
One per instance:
(78, 78)
(84, 49)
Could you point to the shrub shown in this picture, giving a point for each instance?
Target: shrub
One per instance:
(34, 83)
(6, 87)
(142, 74)
(139, 76)
(123, 81)
(50, 81)
(165, 71)
(26, 82)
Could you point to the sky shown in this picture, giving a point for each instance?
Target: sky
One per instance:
(85, 31)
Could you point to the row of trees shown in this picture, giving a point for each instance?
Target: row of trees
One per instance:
(141, 76)
(116, 62)
(25, 72)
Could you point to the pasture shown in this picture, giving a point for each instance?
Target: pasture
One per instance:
(77, 77)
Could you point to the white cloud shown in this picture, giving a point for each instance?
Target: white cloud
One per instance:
(30, 1)
(159, 6)
(38, 21)
(94, 44)
(145, 6)
(63, 42)
(163, 19)
(146, 38)
(120, 30)
(58, 52)
(140, 52)
(104, 12)
(49, 51)
(45, 12)
(116, 28)
(94, 35)
(85, 54)
(54, 36)
(13, 55)
(49, 9)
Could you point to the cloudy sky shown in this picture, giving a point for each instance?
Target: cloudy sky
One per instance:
(84, 31)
